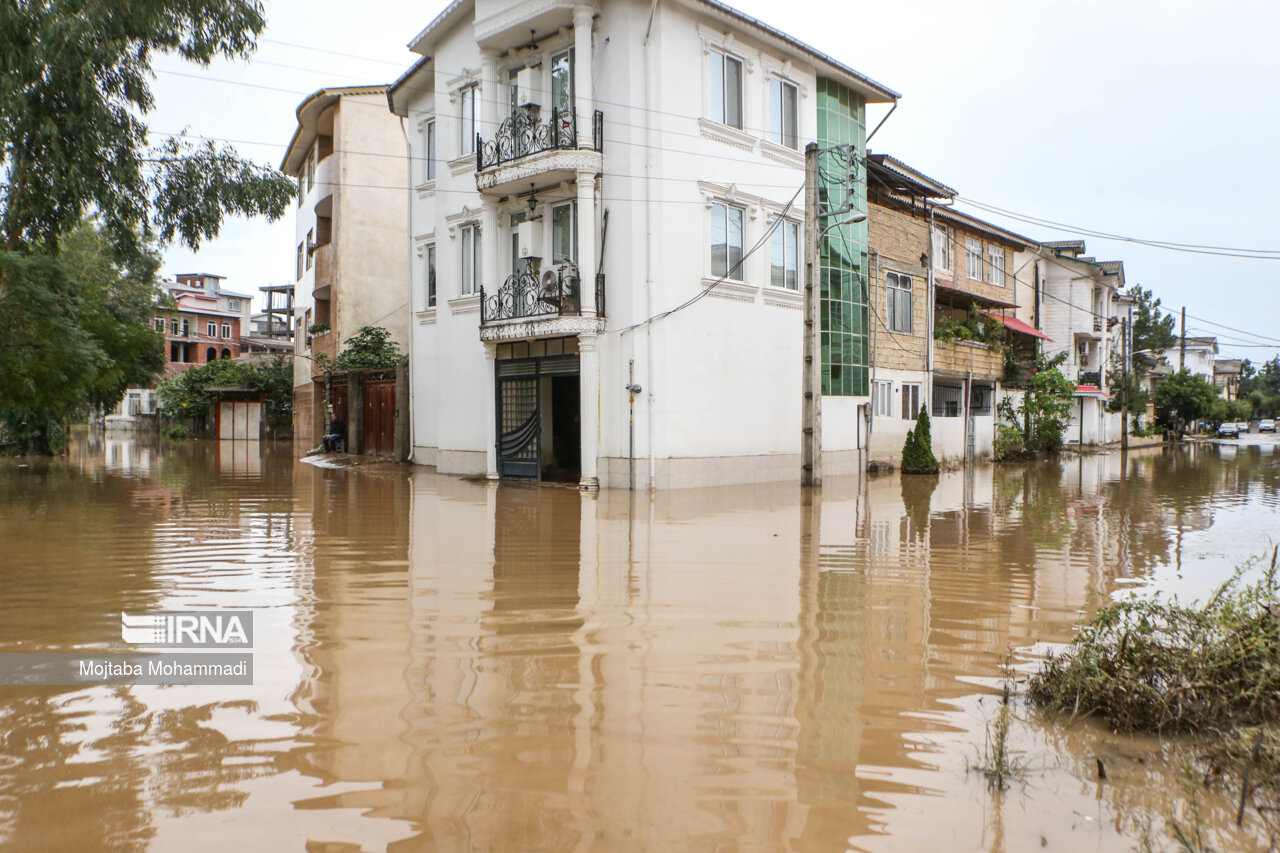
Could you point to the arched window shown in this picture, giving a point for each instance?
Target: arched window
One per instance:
(210, 354)
(226, 353)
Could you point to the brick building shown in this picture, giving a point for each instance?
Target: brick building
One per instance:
(205, 323)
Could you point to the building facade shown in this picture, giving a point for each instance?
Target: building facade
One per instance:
(607, 230)
(350, 259)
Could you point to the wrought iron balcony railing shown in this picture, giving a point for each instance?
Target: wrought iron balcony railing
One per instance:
(552, 292)
(522, 134)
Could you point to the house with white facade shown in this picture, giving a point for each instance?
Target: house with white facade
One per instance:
(607, 225)
(1080, 308)
(1198, 356)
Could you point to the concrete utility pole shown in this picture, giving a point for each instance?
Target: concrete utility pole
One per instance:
(1182, 341)
(1124, 389)
(811, 419)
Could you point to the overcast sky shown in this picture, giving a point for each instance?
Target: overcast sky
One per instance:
(1150, 121)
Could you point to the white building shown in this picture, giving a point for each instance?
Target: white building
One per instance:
(1080, 306)
(1199, 358)
(579, 170)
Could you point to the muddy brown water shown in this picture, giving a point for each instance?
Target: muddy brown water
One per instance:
(444, 665)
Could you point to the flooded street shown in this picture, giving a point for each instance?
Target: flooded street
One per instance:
(447, 665)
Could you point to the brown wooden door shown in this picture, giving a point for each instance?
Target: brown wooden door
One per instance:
(379, 416)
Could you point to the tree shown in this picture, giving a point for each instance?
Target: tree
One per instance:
(917, 450)
(1261, 386)
(1046, 405)
(1152, 331)
(370, 348)
(1183, 398)
(187, 394)
(74, 92)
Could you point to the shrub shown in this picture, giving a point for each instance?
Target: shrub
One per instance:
(917, 450)
(1008, 444)
(175, 431)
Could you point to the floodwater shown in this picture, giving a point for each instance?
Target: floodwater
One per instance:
(445, 665)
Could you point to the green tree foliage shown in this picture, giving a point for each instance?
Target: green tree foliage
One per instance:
(75, 88)
(1152, 329)
(1184, 398)
(187, 395)
(76, 331)
(371, 348)
(917, 450)
(1220, 411)
(1261, 386)
(1045, 410)
(1008, 444)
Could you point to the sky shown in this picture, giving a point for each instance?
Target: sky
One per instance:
(1149, 121)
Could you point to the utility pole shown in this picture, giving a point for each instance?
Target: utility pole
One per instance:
(811, 420)
(1182, 341)
(1124, 389)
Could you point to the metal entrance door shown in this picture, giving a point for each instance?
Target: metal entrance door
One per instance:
(519, 424)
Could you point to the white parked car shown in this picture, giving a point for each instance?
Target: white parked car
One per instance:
(1266, 425)
(1242, 427)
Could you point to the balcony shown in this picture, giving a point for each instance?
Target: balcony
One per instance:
(323, 259)
(534, 304)
(968, 357)
(1093, 378)
(1097, 324)
(322, 344)
(526, 150)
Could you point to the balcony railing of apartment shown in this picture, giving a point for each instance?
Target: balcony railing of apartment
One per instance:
(522, 134)
(549, 293)
(1091, 377)
(1097, 324)
(971, 357)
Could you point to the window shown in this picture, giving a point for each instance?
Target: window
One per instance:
(941, 248)
(173, 352)
(429, 257)
(211, 329)
(910, 401)
(158, 323)
(311, 242)
(782, 112)
(226, 330)
(311, 170)
(995, 264)
(517, 264)
(726, 241)
(562, 85)
(467, 120)
(946, 400)
(226, 353)
(210, 354)
(174, 327)
(302, 191)
(784, 255)
(233, 304)
(899, 302)
(980, 399)
(470, 244)
(725, 76)
(882, 399)
(973, 258)
(429, 151)
(301, 249)
(186, 328)
(564, 233)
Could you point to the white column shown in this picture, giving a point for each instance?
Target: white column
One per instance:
(489, 95)
(491, 422)
(587, 241)
(490, 270)
(589, 402)
(584, 97)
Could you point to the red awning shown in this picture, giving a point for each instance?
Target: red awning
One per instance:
(1019, 326)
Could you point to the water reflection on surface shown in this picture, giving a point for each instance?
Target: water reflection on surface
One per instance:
(450, 665)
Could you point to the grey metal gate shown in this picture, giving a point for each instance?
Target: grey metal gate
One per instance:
(519, 424)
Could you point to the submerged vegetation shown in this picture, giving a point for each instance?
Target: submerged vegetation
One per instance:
(1212, 672)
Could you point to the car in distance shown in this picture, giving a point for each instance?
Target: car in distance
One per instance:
(1227, 429)
(1266, 425)
(1242, 427)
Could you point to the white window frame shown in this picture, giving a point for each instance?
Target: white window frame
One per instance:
(721, 209)
(786, 236)
(469, 259)
(158, 325)
(941, 247)
(468, 97)
(973, 258)
(882, 399)
(429, 151)
(211, 329)
(233, 304)
(898, 302)
(995, 264)
(778, 132)
(430, 281)
(718, 103)
(226, 331)
(573, 231)
(910, 401)
(311, 241)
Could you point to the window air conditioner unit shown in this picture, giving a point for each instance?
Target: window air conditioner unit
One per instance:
(527, 88)
(529, 239)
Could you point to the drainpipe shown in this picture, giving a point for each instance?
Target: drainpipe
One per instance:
(648, 236)
(408, 215)
(875, 329)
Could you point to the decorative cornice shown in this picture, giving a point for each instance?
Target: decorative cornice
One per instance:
(427, 189)
(462, 165)
(574, 160)
(549, 327)
(778, 298)
(521, 13)
(735, 291)
(427, 317)
(728, 135)
(781, 154)
(466, 304)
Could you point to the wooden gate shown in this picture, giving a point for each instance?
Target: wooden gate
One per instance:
(239, 420)
(379, 415)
